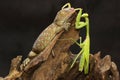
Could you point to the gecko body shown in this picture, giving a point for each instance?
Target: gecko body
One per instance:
(49, 36)
(61, 22)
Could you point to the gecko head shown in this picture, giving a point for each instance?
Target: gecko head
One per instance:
(64, 16)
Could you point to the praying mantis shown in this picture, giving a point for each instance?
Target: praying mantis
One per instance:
(85, 45)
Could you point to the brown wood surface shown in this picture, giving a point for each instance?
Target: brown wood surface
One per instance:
(56, 67)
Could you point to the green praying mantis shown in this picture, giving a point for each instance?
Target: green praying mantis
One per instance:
(83, 55)
(85, 45)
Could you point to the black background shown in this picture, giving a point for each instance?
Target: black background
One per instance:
(21, 21)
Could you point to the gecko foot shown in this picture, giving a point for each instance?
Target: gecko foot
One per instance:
(25, 62)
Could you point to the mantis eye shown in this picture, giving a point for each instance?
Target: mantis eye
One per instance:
(85, 15)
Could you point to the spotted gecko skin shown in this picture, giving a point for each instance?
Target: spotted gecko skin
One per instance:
(44, 38)
(61, 22)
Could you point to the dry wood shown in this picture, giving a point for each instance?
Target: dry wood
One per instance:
(14, 69)
(57, 67)
(100, 69)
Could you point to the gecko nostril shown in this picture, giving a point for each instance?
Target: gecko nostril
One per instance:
(71, 8)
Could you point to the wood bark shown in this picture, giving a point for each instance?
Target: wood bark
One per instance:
(56, 67)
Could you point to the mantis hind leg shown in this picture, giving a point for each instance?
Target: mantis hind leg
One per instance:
(78, 55)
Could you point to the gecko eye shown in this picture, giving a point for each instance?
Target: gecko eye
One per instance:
(59, 23)
(62, 13)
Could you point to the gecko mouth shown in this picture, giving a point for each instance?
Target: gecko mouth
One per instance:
(72, 18)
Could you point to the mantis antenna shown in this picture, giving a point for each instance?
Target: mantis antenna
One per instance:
(68, 5)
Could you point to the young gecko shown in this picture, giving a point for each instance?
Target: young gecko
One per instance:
(61, 22)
